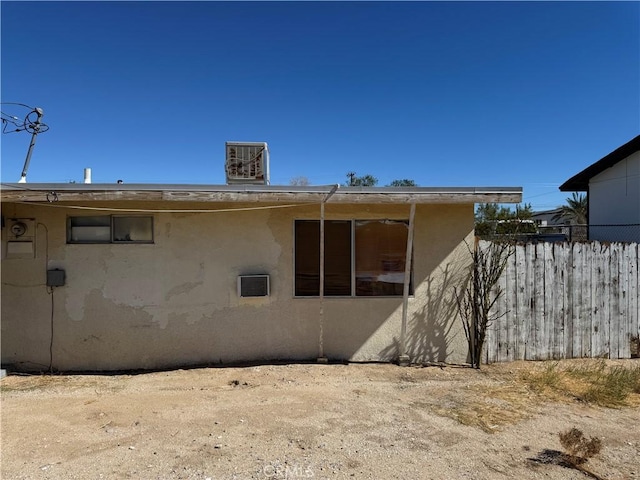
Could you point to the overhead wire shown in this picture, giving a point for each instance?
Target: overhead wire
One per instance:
(10, 119)
(159, 210)
(31, 126)
(15, 103)
(20, 187)
(146, 210)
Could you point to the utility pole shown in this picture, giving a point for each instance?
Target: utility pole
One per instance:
(34, 128)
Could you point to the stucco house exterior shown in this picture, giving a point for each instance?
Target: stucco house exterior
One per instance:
(613, 194)
(99, 277)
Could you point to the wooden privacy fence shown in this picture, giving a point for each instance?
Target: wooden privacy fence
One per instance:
(567, 300)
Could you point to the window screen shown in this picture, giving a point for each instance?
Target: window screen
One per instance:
(337, 258)
(133, 229)
(378, 253)
(110, 229)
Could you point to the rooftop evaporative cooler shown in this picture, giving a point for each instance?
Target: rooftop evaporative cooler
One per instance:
(247, 162)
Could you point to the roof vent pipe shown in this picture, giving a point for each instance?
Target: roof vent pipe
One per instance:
(87, 175)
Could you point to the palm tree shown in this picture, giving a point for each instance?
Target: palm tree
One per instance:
(575, 211)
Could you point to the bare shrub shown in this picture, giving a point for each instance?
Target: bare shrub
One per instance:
(476, 300)
(577, 447)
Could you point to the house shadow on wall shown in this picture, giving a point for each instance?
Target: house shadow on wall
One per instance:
(435, 326)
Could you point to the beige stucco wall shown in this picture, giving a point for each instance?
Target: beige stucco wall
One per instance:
(175, 303)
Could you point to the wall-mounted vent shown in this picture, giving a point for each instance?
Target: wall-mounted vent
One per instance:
(247, 162)
(253, 285)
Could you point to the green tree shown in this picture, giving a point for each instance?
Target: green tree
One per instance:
(575, 211)
(493, 220)
(363, 181)
(402, 183)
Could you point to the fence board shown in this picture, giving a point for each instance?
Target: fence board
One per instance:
(553, 300)
(606, 302)
(560, 266)
(491, 341)
(586, 318)
(502, 327)
(538, 303)
(630, 305)
(597, 290)
(600, 331)
(577, 304)
(567, 300)
(520, 314)
(624, 258)
(633, 302)
(511, 317)
(615, 317)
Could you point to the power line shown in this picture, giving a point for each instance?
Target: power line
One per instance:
(28, 123)
(158, 210)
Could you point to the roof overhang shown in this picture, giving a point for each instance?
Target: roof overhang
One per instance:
(580, 181)
(272, 194)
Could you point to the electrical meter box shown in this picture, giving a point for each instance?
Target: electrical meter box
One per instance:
(55, 278)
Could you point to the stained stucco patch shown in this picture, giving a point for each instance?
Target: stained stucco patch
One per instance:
(182, 289)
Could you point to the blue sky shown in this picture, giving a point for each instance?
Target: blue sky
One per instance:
(444, 93)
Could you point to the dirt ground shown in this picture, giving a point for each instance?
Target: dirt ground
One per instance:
(369, 421)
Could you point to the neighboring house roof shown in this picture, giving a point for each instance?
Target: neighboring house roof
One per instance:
(580, 182)
(65, 192)
(550, 216)
(544, 214)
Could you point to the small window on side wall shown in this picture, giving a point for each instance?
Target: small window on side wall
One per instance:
(132, 229)
(110, 229)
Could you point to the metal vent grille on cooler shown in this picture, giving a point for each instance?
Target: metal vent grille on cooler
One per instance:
(247, 162)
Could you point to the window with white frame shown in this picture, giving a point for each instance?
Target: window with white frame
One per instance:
(362, 257)
(110, 229)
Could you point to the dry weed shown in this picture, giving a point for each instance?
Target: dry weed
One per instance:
(577, 447)
(591, 381)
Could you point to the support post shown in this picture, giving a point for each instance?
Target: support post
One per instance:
(403, 358)
(321, 357)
